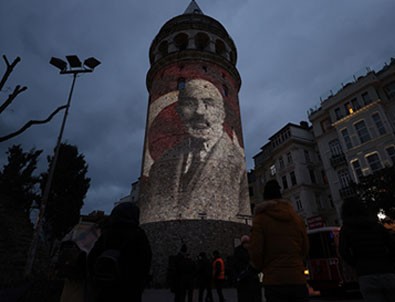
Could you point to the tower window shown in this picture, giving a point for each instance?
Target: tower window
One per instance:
(226, 91)
(181, 41)
(201, 41)
(220, 47)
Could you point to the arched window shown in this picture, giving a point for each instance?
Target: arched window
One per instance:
(181, 41)
(201, 41)
(225, 89)
(220, 47)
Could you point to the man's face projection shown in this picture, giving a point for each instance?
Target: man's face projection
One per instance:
(201, 107)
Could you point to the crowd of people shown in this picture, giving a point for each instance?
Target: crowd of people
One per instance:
(272, 256)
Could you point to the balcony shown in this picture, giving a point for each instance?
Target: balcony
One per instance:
(338, 160)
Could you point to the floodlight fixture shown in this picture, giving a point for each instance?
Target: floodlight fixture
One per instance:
(74, 61)
(58, 63)
(91, 62)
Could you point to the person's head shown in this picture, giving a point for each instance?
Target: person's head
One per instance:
(272, 190)
(125, 213)
(201, 107)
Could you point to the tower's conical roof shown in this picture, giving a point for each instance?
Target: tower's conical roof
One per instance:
(193, 8)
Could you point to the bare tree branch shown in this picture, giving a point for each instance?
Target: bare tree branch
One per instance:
(9, 69)
(18, 89)
(31, 123)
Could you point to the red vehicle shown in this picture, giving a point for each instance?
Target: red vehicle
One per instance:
(327, 272)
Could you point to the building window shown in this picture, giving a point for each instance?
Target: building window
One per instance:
(281, 162)
(355, 104)
(366, 98)
(307, 155)
(379, 123)
(325, 125)
(335, 147)
(374, 162)
(390, 89)
(348, 108)
(285, 183)
(312, 176)
(357, 169)
(344, 178)
(298, 203)
(391, 153)
(293, 178)
(273, 170)
(362, 131)
(338, 114)
(346, 138)
(289, 158)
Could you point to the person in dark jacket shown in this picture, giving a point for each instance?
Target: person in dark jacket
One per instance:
(365, 244)
(204, 277)
(247, 280)
(124, 234)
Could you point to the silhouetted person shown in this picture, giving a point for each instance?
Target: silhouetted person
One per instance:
(204, 277)
(247, 280)
(279, 246)
(184, 273)
(124, 234)
(219, 274)
(366, 245)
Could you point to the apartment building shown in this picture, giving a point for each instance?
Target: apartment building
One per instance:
(354, 130)
(291, 157)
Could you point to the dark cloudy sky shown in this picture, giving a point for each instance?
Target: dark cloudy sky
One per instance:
(289, 54)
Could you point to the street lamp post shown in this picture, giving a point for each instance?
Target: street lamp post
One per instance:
(74, 67)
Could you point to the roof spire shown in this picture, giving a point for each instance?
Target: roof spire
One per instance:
(193, 8)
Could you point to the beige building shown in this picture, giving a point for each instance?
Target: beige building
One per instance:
(291, 157)
(354, 129)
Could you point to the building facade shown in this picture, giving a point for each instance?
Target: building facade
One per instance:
(355, 130)
(291, 157)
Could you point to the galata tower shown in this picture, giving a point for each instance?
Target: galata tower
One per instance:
(193, 184)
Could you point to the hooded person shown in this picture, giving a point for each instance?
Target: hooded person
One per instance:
(124, 234)
(279, 247)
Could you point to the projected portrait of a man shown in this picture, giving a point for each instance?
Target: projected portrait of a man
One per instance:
(204, 174)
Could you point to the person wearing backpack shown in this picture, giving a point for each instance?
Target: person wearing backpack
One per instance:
(120, 261)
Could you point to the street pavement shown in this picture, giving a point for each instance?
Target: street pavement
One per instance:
(164, 295)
